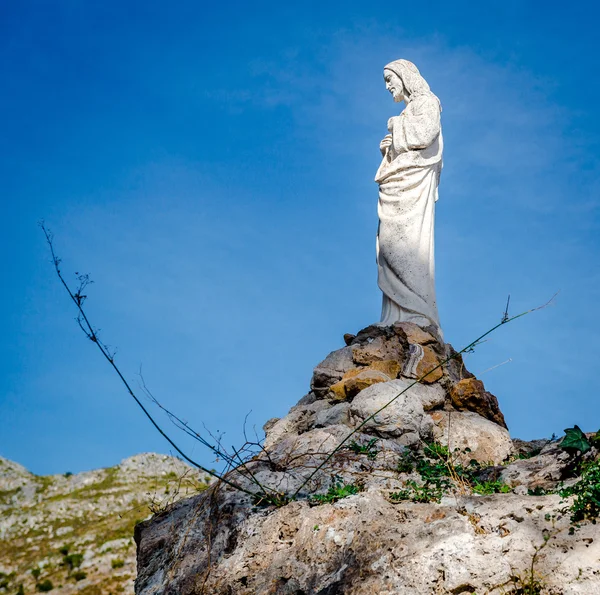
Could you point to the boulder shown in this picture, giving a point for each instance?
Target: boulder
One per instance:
(405, 417)
(331, 370)
(487, 442)
(470, 395)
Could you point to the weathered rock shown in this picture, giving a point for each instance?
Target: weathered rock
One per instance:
(470, 395)
(351, 385)
(348, 338)
(455, 367)
(428, 366)
(369, 543)
(405, 417)
(331, 370)
(377, 350)
(338, 414)
(488, 442)
(542, 471)
(414, 333)
(358, 379)
(366, 544)
(300, 419)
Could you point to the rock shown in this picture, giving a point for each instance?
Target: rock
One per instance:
(470, 395)
(348, 338)
(365, 544)
(488, 442)
(229, 543)
(429, 363)
(338, 414)
(358, 379)
(455, 367)
(299, 420)
(414, 333)
(405, 417)
(530, 448)
(352, 384)
(378, 349)
(331, 370)
(542, 471)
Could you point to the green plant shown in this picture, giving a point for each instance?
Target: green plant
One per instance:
(45, 586)
(335, 493)
(277, 499)
(73, 561)
(586, 504)
(531, 583)
(538, 491)
(79, 575)
(418, 493)
(20, 590)
(575, 441)
(117, 563)
(368, 449)
(491, 487)
(35, 572)
(64, 550)
(406, 462)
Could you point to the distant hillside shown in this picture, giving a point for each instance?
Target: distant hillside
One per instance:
(74, 533)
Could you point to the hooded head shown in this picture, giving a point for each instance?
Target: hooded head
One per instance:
(404, 81)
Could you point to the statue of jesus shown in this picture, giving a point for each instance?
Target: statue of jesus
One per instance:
(408, 179)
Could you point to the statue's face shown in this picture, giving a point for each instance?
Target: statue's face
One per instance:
(394, 84)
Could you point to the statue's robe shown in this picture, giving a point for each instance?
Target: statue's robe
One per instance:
(408, 180)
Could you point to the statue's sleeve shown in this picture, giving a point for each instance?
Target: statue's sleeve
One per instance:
(419, 126)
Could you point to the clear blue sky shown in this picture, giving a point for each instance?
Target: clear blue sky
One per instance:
(211, 166)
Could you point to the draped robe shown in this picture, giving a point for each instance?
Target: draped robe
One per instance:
(408, 180)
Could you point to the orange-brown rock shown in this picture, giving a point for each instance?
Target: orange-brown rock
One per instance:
(469, 394)
(379, 349)
(415, 334)
(429, 362)
(356, 380)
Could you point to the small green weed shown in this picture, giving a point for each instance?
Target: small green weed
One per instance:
(79, 575)
(72, 561)
(407, 462)
(368, 449)
(117, 563)
(586, 504)
(441, 472)
(335, 493)
(277, 499)
(538, 491)
(44, 586)
(418, 493)
(491, 487)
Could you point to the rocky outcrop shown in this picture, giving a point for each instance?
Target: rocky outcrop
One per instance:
(74, 532)
(394, 474)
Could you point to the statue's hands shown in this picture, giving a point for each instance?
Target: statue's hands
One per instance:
(385, 144)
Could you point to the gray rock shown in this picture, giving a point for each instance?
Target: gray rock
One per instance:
(488, 442)
(404, 417)
(338, 414)
(331, 370)
(366, 544)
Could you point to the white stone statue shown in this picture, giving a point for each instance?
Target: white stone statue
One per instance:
(408, 179)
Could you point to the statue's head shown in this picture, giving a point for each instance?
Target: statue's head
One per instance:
(403, 80)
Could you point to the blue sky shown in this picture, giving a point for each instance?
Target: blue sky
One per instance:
(212, 169)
